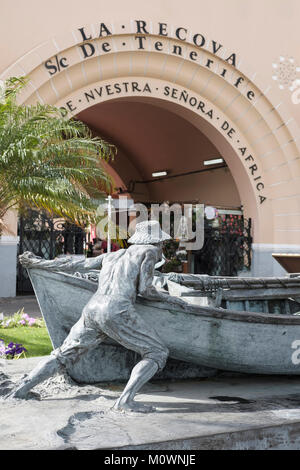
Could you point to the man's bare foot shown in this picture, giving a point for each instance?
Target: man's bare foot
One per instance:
(133, 406)
(16, 394)
(22, 392)
(26, 396)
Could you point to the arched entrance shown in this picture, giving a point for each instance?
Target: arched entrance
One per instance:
(182, 73)
(152, 138)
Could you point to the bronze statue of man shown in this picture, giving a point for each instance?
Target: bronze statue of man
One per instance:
(111, 312)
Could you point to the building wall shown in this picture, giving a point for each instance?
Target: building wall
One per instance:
(8, 266)
(8, 256)
(220, 54)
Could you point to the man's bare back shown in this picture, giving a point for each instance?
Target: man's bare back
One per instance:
(120, 274)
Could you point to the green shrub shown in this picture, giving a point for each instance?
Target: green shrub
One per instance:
(23, 336)
(36, 341)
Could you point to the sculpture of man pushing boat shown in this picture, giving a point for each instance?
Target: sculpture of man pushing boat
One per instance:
(111, 313)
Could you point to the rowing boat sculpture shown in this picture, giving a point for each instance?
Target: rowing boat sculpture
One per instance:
(230, 324)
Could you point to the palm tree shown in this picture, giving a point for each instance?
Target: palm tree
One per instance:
(49, 162)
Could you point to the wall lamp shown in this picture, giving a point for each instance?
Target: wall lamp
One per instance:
(132, 183)
(214, 161)
(159, 173)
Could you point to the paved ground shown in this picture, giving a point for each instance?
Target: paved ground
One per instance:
(10, 305)
(246, 412)
(217, 413)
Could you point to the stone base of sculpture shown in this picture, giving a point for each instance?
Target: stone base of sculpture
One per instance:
(110, 363)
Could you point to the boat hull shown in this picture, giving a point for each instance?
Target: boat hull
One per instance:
(202, 339)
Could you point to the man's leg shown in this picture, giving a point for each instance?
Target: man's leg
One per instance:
(79, 340)
(45, 369)
(130, 330)
(140, 374)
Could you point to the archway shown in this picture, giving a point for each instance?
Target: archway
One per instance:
(151, 136)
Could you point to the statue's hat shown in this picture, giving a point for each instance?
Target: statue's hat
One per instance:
(147, 233)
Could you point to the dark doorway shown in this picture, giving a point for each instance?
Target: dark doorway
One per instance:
(227, 247)
(46, 237)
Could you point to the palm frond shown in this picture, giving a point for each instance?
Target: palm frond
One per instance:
(49, 162)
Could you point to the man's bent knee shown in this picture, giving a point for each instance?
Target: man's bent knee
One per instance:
(164, 357)
(159, 356)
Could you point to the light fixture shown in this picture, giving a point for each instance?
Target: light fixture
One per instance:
(159, 173)
(210, 212)
(213, 161)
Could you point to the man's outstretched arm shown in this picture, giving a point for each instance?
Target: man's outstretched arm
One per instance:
(65, 263)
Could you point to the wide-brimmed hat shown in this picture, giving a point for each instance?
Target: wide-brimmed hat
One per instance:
(147, 233)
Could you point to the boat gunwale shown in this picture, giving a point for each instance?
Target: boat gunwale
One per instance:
(198, 311)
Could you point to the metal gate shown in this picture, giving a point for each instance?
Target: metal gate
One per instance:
(227, 247)
(46, 237)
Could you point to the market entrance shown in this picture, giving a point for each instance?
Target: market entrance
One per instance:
(164, 158)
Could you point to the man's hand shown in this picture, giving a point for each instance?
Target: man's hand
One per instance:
(28, 259)
(175, 300)
(153, 294)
